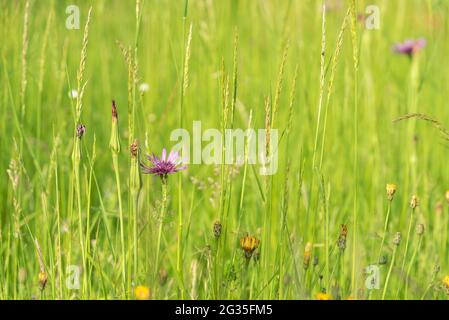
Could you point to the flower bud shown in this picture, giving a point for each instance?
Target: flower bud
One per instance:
(217, 229)
(43, 277)
(414, 202)
(391, 190)
(420, 229)
(80, 130)
(397, 239)
(307, 254)
(114, 142)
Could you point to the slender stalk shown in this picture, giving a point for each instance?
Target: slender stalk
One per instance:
(184, 85)
(387, 279)
(122, 231)
(114, 145)
(410, 224)
(355, 54)
(412, 262)
(387, 219)
(161, 224)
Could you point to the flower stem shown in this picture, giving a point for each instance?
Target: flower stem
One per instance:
(161, 224)
(389, 272)
(411, 265)
(387, 218)
(122, 233)
(408, 239)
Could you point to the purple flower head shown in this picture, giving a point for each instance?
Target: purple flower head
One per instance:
(164, 165)
(410, 47)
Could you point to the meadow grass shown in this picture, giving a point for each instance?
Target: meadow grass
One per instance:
(362, 173)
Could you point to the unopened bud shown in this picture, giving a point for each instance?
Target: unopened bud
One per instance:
(134, 148)
(414, 202)
(114, 143)
(397, 239)
(420, 229)
(217, 229)
(391, 190)
(43, 277)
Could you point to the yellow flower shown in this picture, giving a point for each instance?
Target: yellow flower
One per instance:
(142, 293)
(323, 296)
(391, 189)
(446, 282)
(447, 195)
(249, 244)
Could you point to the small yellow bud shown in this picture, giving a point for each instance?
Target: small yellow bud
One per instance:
(43, 278)
(307, 254)
(391, 190)
(414, 202)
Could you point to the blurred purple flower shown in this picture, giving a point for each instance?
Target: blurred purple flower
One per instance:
(164, 165)
(410, 47)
